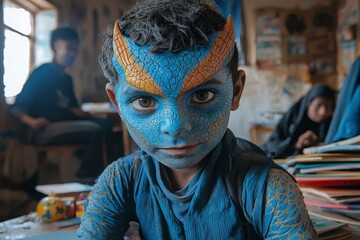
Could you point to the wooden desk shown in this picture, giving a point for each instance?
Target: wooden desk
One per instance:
(27, 226)
(105, 110)
(259, 133)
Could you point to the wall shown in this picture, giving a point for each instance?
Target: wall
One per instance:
(267, 91)
(89, 18)
(348, 41)
(249, 17)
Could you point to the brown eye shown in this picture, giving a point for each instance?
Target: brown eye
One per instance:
(144, 104)
(203, 96)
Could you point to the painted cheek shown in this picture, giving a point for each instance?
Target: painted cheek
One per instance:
(212, 124)
(143, 129)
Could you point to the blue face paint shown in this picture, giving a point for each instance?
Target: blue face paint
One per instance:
(179, 134)
(176, 106)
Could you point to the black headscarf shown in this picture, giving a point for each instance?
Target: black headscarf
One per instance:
(296, 121)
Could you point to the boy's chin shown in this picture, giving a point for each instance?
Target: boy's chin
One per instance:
(180, 162)
(179, 165)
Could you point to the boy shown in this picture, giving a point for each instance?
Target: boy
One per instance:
(48, 107)
(172, 67)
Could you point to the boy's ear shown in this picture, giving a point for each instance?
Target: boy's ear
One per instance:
(111, 94)
(238, 87)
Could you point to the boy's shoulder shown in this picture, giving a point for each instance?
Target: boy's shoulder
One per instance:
(244, 150)
(123, 167)
(124, 163)
(249, 157)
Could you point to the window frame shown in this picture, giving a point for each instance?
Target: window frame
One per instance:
(34, 8)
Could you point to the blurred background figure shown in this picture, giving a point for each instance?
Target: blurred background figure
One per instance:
(304, 125)
(48, 107)
(345, 123)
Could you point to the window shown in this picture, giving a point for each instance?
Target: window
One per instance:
(27, 31)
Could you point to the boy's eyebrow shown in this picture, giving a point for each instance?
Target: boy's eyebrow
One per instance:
(134, 90)
(211, 80)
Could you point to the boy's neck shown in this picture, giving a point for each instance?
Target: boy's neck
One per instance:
(179, 178)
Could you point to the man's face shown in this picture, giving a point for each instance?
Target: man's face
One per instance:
(65, 52)
(176, 106)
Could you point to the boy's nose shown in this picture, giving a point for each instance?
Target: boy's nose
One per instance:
(174, 123)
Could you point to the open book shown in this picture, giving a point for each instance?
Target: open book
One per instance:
(347, 145)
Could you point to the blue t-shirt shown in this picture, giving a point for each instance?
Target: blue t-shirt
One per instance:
(48, 93)
(204, 209)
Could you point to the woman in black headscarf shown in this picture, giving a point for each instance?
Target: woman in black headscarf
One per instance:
(304, 125)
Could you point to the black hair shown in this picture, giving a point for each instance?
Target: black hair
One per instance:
(166, 25)
(63, 33)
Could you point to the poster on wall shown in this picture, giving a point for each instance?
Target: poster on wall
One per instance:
(321, 45)
(349, 14)
(269, 52)
(321, 66)
(348, 53)
(268, 24)
(296, 46)
(348, 33)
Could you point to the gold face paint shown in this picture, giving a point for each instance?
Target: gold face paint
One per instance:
(220, 49)
(135, 74)
(201, 65)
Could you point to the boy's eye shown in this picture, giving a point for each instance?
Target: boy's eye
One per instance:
(143, 104)
(202, 96)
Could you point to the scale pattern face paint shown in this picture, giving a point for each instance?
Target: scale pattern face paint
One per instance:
(187, 96)
(129, 68)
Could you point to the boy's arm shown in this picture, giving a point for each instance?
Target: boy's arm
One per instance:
(285, 214)
(107, 216)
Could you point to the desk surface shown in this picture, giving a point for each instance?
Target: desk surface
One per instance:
(27, 226)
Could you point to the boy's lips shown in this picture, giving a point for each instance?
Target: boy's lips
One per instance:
(179, 151)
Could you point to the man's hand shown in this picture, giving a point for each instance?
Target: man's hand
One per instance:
(306, 139)
(37, 123)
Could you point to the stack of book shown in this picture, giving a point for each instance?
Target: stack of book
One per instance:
(350, 145)
(328, 230)
(341, 205)
(326, 169)
(329, 177)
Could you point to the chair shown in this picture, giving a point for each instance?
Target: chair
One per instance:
(64, 153)
(64, 157)
(260, 133)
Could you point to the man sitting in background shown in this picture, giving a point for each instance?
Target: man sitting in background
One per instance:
(48, 107)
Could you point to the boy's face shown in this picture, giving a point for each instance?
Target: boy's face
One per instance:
(175, 106)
